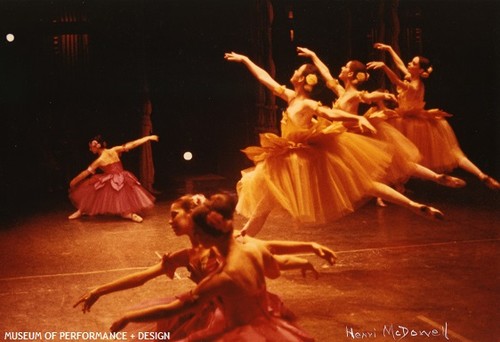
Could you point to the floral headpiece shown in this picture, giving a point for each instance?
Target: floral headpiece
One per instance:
(426, 73)
(198, 199)
(362, 76)
(95, 143)
(311, 79)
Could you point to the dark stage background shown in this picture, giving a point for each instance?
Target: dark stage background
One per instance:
(80, 68)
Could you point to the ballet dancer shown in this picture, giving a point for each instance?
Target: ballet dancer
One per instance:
(115, 191)
(406, 155)
(428, 129)
(315, 170)
(238, 286)
(201, 262)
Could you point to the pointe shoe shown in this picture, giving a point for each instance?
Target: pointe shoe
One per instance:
(430, 212)
(451, 182)
(133, 217)
(490, 182)
(136, 218)
(75, 215)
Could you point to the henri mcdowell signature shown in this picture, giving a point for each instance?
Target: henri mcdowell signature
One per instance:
(397, 332)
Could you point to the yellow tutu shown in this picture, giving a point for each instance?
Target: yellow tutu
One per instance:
(317, 174)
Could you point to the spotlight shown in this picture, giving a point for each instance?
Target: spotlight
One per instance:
(10, 37)
(187, 155)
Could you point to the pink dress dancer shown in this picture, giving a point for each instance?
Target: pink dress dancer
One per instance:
(237, 288)
(200, 266)
(115, 191)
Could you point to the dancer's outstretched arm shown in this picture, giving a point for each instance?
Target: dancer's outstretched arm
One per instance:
(209, 288)
(390, 74)
(133, 144)
(331, 82)
(293, 262)
(175, 260)
(280, 247)
(376, 96)
(261, 75)
(395, 57)
(338, 114)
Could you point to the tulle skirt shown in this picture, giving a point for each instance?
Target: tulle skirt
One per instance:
(111, 193)
(261, 329)
(316, 174)
(433, 136)
(405, 153)
(207, 320)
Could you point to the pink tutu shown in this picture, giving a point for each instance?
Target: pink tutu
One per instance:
(178, 327)
(262, 328)
(115, 191)
(207, 320)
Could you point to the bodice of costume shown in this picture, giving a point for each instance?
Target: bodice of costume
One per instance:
(114, 175)
(115, 167)
(350, 102)
(202, 262)
(411, 99)
(412, 105)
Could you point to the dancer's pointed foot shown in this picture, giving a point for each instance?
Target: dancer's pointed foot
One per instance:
(451, 182)
(133, 217)
(490, 182)
(430, 212)
(75, 215)
(380, 203)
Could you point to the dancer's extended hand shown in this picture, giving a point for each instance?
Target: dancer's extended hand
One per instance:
(305, 52)
(309, 267)
(87, 300)
(325, 253)
(381, 46)
(119, 324)
(364, 124)
(375, 65)
(234, 57)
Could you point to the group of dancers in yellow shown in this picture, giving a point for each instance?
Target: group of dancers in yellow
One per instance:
(326, 162)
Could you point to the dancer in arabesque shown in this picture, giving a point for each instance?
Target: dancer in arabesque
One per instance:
(115, 191)
(201, 262)
(405, 161)
(428, 129)
(315, 170)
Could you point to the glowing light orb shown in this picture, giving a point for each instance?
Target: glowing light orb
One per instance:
(187, 155)
(10, 37)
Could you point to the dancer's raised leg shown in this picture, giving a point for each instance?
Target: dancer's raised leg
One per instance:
(389, 194)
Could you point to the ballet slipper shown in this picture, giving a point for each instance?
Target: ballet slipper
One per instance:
(133, 217)
(490, 182)
(380, 203)
(451, 182)
(136, 218)
(430, 212)
(75, 215)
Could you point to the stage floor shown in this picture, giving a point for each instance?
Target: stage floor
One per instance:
(396, 272)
